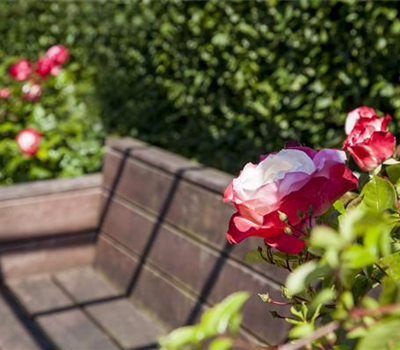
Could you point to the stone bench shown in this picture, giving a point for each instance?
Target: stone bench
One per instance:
(152, 231)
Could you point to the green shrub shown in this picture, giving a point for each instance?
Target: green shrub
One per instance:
(71, 138)
(222, 81)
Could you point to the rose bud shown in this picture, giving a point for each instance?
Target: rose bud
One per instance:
(21, 70)
(296, 180)
(31, 91)
(28, 141)
(44, 67)
(5, 93)
(58, 54)
(369, 142)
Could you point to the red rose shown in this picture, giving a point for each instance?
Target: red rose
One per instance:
(28, 141)
(368, 141)
(5, 93)
(44, 67)
(299, 182)
(31, 91)
(58, 54)
(21, 70)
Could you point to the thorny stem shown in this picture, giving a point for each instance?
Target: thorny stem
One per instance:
(381, 269)
(268, 258)
(288, 265)
(371, 277)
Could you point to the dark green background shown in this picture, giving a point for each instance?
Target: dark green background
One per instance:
(222, 81)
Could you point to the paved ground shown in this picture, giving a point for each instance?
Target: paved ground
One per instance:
(72, 310)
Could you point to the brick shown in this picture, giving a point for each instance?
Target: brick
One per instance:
(47, 255)
(194, 267)
(47, 187)
(157, 295)
(24, 218)
(181, 204)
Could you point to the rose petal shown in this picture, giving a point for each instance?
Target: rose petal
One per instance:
(286, 243)
(382, 145)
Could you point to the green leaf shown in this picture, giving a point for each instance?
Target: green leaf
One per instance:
(221, 344)
(361, 286)
(303, 276)
(216, 320)
(393, 172)
(301, 331)
(327, 238)
(322, 297)
(179, 338)
(253, 256)
(339, 206)
(379, 195)
(357, 256)
(391, 263)
(381, 336)
(390, 291)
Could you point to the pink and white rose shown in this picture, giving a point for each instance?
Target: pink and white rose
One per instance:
(28, 141)
(299, 182)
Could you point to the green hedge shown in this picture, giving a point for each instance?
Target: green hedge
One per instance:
(223, 81)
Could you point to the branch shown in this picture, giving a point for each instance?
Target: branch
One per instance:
(319, 333)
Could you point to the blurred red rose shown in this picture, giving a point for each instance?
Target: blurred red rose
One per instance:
(369, 142)
(21, 70)
(44, 66)
(31, 91)
(58, 54)
(28, 141)
(292, 181)
(5, 93)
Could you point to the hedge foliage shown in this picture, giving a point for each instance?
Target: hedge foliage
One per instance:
(223, 81)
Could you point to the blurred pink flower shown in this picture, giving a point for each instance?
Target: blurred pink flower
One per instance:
(5, 93)
(28, 141)
(58, 54)
(31, 91)
(21, 70)
(44, 66)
